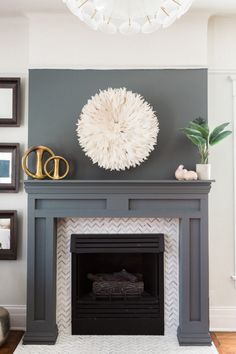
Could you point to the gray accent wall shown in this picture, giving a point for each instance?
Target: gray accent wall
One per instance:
(56, 98)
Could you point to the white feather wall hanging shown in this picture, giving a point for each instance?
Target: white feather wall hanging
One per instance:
(117, 129)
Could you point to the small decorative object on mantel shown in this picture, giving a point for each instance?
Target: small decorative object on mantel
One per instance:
(199, 134)
(42, 164)
(4, 325)
(56, 167)
(40, 152)
(182, 174)
(117, 129)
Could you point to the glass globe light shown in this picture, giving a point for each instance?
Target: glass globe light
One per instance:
(99, 4)
(161, 16)
(166, 19)
(160, 12)
(170, 6)
(129, 28)
(77, 12)
(150, 26)
(71, 3)
(78, 7)
(90, 15)
(73, 6)
(107, 27)
(91, 22)
(184, 7)
(170, 20)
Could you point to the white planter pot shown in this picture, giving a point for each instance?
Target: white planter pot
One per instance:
(203, 171)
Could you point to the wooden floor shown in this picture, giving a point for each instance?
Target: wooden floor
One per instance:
(11, 343)
(225, 342)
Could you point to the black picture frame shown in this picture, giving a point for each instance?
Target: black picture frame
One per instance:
(9, 167)
(11, 252)
(13, 84)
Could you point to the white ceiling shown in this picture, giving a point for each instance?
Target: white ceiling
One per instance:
(22, 7)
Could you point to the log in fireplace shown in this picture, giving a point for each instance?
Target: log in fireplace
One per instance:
(114, 309)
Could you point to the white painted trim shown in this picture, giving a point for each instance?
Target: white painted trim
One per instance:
(134, 67)
(233, 78)
(222, 71)
(115, 67)
(223, 319)
(228, 72)
(17, 316)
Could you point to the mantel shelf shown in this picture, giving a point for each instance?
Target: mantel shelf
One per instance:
(117, 187)
(110, 181)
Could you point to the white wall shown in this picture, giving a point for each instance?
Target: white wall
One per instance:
(222, 64)
(61, 41)
(14, 63)
(222, 44)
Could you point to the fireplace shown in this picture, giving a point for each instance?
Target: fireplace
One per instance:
(117, 284)
(52, 200)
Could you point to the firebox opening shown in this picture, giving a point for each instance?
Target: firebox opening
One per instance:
(117, 284)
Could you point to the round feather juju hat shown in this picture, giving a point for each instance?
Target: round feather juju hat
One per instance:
(117, 129)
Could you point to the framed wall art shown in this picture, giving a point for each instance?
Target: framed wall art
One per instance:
(8, 234)
(9, 168)
(9, 102)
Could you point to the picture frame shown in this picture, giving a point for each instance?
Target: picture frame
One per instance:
(8, 234)
(9, 167)
(10, 102)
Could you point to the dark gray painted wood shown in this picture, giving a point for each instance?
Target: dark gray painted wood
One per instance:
(195, 303)
(41, 281)
(56, 98)
(185, 200)
(40, 269)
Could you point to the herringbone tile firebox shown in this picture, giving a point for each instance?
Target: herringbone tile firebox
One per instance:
(170, 229)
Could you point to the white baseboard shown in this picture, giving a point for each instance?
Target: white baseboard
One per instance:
(223, 319)
(17, 316)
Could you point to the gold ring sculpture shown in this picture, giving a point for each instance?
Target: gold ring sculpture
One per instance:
(56, 172)
(39, 151)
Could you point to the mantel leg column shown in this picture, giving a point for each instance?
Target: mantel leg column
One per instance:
(41, 282)
(194, 308)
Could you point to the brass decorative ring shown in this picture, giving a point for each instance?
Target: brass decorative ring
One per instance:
(39, 163)
(56, 160)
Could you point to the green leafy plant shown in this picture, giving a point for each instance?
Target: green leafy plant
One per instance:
(199, 134)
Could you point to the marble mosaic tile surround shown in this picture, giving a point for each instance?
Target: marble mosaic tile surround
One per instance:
(68, 344)
(68, 226)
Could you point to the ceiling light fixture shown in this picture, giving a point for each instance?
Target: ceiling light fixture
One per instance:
(128, 16)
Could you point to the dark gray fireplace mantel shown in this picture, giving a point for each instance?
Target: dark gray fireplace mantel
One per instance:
(49, 200)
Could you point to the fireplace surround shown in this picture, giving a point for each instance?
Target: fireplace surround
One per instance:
(116, 226)
(50, 200)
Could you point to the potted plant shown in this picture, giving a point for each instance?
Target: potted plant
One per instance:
(199, 133)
